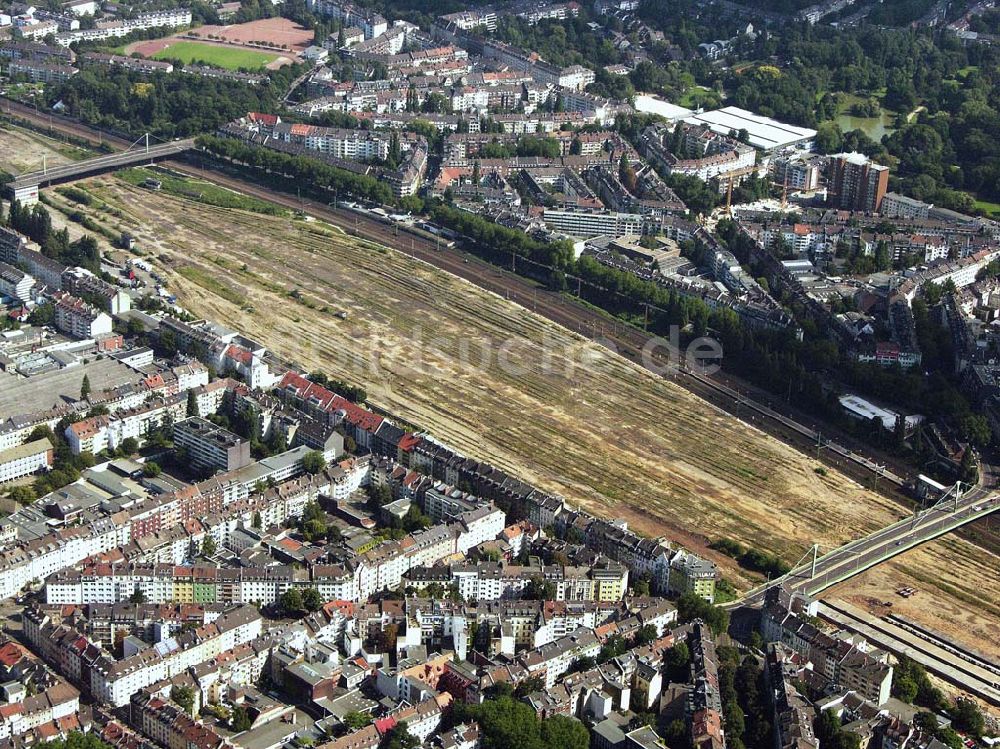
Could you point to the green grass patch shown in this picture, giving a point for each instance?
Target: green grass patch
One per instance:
(212, 284)
(989, 208)
(696, 97)
(75, 194)
(230, 58)
(203, 192)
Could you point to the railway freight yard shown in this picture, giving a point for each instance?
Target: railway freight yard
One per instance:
(233, 266)
(541, 374)
(213, 279)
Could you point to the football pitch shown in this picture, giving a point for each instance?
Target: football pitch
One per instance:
(230, 58)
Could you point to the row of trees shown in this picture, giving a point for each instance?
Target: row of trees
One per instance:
(36, 223)
(170, 105)
(751, 559)
(773, 359)
(283, 168)
(746, 709)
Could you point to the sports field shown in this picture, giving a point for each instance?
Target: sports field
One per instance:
(230, 58)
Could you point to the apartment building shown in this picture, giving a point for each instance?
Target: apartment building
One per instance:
(108, 297)
(704, 704)
(41, 72)
(533, 12)
(468, 20)
(443, 502)
(724, 166)
(554, 659)
(380, 47)
(136, 64)
(796, 172)
(15, 283)
(14, 251)
(895, 205)
(344, 39)
(692, 574)
(344, 144)
(16, 50)
(40, 715)
(36, 30)
(593, 224)
(26, 459)
(169, 18)
(848, 661)
(210, 447)
(115, 680)
(75, 317)
(162, 583)
(370, 22)
(792, 714)
(856, 183)
(575, 77)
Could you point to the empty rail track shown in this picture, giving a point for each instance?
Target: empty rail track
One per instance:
(721, 390)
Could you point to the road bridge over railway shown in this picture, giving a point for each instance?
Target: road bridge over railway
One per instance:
(25, 187)
(814, 573)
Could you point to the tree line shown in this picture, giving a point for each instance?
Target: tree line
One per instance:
(279, 167)
(173, 105)
(36, 224)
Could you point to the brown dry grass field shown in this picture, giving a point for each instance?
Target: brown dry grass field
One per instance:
(592, 426)
(22, 150)
(275, 31)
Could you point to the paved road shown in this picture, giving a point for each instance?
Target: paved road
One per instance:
(857, 556)
(138, 154)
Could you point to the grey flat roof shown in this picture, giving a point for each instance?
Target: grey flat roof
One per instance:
(58, 388)
(763, 132)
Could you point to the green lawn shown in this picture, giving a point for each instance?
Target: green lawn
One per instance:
(230, 58)
(697, 96)
(204, 192)
(991, 209)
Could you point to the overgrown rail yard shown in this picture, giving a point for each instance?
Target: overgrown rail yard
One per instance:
(240, 267)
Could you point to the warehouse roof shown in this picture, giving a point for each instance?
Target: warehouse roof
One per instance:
(764, 133)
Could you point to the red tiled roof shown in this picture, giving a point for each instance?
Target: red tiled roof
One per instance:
(329, 401)
(10, 654)
(240, 354)
(267, 119)
(408, 442)
(89, 427)
(345, 607)
(68, 723)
